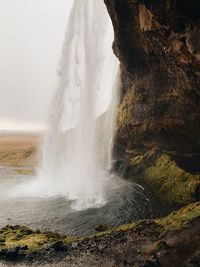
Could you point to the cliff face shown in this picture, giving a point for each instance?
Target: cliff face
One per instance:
(158, 45)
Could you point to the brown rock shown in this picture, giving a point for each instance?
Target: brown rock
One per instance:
(160, 101)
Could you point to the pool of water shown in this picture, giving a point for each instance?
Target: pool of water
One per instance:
(126, 202)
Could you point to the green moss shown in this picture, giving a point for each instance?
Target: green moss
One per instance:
(181, 218)
(19, 236)
(141, 162)
(125, 113)
(170, 183)
(14, 236)
(121, 228)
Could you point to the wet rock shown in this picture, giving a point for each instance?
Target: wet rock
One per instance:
(12, 253)
(101, 228)
(31, 257)
(23, 248)
(101, 247)
(59, 246)
(16, 227)
(25, 230)
(75, 245)
(2, 253)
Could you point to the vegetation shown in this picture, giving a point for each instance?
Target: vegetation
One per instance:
(171, 184)
(181, 218)
(35, 241)
(21, 236)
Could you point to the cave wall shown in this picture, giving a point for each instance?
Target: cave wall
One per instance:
(158, 45)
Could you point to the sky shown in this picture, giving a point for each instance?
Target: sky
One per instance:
(32, 33)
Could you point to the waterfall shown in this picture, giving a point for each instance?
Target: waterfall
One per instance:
(77, 148)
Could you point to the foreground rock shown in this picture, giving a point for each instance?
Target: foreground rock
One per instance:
(174, 239)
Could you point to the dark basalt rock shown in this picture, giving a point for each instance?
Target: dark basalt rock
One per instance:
(101, 228)
(12, 254)
(158, 45)
(24, 248)
(59, 246)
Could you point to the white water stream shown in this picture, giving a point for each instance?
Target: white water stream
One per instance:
(77, 149)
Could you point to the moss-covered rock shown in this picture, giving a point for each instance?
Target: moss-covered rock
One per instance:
(19, 243)
(101, 228)
(158, 170)
(181, 218)
(20, 236)
(171, 183)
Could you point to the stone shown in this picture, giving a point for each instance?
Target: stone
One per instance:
(12, 253)
(145, 18)
(59, 246)
(101, 228)
(24, 248)
(101, 247)
(74, 245)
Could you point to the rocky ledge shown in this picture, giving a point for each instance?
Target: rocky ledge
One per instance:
(173, 240)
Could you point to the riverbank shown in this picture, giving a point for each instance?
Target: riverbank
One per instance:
(174, 239)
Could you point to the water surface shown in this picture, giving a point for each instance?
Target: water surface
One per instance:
(125, 202)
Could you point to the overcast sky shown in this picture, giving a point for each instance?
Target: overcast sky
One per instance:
(31, 36)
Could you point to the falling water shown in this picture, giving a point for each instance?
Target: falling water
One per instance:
(74, 173)
(77, 148)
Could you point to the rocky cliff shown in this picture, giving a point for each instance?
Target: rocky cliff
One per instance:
(158, 45)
